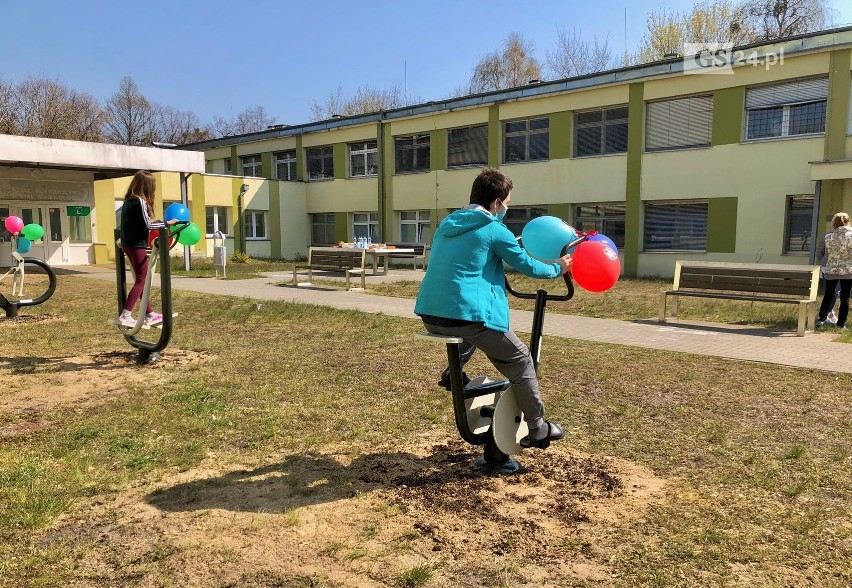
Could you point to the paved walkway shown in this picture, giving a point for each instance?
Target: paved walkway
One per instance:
(814, 350)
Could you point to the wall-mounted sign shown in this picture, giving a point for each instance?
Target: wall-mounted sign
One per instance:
(79, 211)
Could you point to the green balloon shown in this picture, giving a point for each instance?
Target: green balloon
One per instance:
(33, 232)
(190, 235)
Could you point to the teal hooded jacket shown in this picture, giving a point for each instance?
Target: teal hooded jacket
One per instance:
(465, 279)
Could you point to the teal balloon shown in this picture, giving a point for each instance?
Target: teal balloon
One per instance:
(33, 232)
(24, 245)
(545, 237)
(190, 235)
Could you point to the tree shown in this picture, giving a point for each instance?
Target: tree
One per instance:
(177, 126)
(38, 107)
(515, 65)
(131, 118)
(7, 123)
(776, 19)
(250, 120)
(365, 99)
(574, 56)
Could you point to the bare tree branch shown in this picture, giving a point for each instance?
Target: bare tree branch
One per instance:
(574, 56)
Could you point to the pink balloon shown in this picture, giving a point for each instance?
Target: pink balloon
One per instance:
(14, 224)
(595, 266)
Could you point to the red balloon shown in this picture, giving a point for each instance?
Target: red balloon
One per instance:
(153, 234)
(595, 266)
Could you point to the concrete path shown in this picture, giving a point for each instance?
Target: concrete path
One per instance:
(814, 350)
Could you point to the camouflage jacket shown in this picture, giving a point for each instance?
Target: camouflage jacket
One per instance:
(836, 251)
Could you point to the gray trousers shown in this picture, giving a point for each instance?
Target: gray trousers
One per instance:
(511, 358)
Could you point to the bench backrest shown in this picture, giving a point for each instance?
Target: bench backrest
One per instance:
(778, 279)
(343, 259)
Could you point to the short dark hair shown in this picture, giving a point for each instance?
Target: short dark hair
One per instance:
(490, 184)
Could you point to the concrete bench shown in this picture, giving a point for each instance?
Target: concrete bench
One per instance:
(349, 261)
(757, 282)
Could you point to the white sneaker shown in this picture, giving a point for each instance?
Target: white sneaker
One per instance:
(155, 318)
(831, 319)
(127, 321)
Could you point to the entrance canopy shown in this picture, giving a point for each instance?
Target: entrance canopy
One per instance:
(840, 169)
(104, 160)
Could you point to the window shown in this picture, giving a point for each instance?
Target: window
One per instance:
(797, 225)
(80, 229)
(675, 226)
(679, 123)
(255, 223)
(217, 219)
(251, 166)
(285, 165)
(411, 153)
(415, 226)
(607, 219)
(363, 159)
(365, 224)
(228, 169)
(786, 110)
(517, 217)
(526, 140)
(320, 163)
(602, 131)
(322, 228)
(467, 146)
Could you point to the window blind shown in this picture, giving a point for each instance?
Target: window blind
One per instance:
(682, 122)
(807, 90)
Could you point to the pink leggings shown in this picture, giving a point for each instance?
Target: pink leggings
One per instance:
(138, 257)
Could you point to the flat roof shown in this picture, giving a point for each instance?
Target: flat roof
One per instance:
(104, 160)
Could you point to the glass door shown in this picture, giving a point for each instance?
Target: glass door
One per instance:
(33, 214)
(57, 233)
(5, 238)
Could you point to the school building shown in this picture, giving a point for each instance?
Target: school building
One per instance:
(741, 155)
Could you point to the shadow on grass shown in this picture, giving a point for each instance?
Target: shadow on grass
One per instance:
(98, 361)
(732, 329)
(308, 479)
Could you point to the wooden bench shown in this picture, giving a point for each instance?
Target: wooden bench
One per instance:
(420, 250)
(758, 282)
(344, 260)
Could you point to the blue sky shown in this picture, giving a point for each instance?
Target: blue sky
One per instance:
(219, 58)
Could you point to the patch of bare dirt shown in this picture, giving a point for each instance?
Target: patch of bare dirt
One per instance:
(331, 520)
(84, 380)
(29, 319)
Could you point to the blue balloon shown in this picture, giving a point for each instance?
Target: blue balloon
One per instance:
(24, 245)
(545, 237)
(176, 211)
(604, 239)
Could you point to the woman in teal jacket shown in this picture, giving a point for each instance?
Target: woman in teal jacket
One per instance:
(463, 293)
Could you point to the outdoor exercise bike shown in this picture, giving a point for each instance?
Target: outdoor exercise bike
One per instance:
(160, 246)
(486, 411)
(46, 284)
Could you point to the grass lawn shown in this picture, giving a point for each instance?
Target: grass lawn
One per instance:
(296, 445)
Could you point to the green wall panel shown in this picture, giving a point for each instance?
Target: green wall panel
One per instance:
(560, 134)
(728, 112)
(633, 190)
(266, 165)
(339, 153)
(235, 162)
(275, 215)
(494, 135)
(300, 159)
(561, 210)
(385, 183)
(836, 121)
(438, 149)
(722, 225)
(340, 227)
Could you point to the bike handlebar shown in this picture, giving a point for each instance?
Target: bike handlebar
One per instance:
(569, 284)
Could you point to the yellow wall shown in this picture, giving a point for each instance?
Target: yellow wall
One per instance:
(342, 195)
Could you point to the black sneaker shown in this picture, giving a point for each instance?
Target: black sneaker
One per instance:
(445, 382)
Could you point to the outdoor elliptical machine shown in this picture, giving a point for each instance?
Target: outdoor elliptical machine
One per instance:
(16, 300)
(149, 350)
(486, 411)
